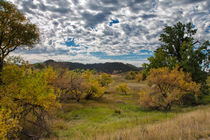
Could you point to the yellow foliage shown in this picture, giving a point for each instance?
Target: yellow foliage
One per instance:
(123, 88)
(139, 77)
(8, 124)
(105, 79)
(27, 93)
(71, 84)
(94, 89)
(167, 87)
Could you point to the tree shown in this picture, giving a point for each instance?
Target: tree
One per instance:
(168, 87)
(15, 31)
(123, 88)
(71, 84)
(94, 88)
(9, 124)
(139, 77)
(26, 100)
(105, 79)
(131, 75)
(180, 48)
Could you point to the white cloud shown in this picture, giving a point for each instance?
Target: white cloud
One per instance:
(140, 23)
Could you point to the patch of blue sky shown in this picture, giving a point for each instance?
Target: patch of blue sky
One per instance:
(130, 56)
(146, 51)
(208, 29)
(83, 53)
(75, 49)
(71, 43)
(113, 22)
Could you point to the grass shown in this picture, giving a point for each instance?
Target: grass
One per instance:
(114, 115)
(89, 121)
(193, 125)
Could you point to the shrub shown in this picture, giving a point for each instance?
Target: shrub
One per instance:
(9, 125)
(168, 87)
(122, 88)
(105, 80)
(94, 89)
(139, 77)
(71, 85)
(94, 86)
(26, 100)
(131, 75)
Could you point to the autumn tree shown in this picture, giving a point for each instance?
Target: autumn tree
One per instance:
(123, 88)
(15, 31)
(139, 77)
(9, 125)
(71, 84)
(131, 75)
(179, 47)
(94, 88)
(168, 87)
(105, 79)
(26, 100)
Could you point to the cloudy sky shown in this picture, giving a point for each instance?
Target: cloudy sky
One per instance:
(93, 31)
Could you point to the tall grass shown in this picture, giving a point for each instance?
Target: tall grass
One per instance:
(188, 126)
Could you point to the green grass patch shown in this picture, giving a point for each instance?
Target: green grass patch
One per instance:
(88, 121)
(111, 113)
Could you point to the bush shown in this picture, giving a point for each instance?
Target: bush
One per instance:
(122, 88)
(94, 90)
(71, 85)
(79, 85)
(168, 87)
(95, 86)
(105, 80)
(9, 125)
(131, 75)
(26, 100)
(139, 77)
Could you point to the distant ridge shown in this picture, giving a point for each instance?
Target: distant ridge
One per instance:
(108, 67)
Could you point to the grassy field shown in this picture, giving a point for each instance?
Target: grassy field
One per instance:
(116, 116)
(193, 125)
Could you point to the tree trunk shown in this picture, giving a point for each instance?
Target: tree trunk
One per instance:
(168, 107)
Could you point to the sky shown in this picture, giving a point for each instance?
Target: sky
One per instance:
(97, 31)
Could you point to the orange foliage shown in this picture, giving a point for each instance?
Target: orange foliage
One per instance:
(168, 87)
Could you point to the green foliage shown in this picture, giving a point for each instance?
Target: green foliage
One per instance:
(122, 88)
(28, 98)
(168, 87)
(180, 48)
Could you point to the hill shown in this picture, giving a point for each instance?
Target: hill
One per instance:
(109, 67)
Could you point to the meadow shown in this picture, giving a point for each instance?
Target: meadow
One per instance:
(118, 116)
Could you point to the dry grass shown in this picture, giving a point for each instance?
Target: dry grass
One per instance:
(188, 126)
